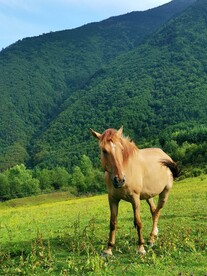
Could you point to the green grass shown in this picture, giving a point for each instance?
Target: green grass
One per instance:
(67, 236)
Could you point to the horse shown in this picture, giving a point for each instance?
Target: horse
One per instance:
(134, 174)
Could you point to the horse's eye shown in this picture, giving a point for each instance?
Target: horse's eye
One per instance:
(104, 151)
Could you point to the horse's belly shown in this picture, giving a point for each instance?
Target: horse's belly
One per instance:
(154, 186)
(147, 195)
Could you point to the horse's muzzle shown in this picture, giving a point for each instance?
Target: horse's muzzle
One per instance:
(118, 183)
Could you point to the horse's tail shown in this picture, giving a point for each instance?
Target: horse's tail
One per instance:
(172, 166)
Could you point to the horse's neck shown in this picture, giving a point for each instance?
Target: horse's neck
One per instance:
(130, 149)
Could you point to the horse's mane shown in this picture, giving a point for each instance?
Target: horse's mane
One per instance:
(129, 147)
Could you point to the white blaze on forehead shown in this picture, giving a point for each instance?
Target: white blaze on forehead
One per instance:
(112, 145)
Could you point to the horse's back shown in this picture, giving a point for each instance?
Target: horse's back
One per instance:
(153, 153)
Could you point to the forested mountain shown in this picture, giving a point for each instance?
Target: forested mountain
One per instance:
(136, 70)
(158, 86)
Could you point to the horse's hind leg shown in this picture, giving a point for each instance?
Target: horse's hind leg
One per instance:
(152, 205)
(156, 214)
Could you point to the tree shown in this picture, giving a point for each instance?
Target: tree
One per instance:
(45, 179)
(4, 187)
(21, 182)
(78, 179)
(86, 166)
(60, 178)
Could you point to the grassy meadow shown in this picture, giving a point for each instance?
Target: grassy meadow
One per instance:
(58, 235)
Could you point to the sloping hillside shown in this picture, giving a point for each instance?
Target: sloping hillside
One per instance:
(38, 74)
(157, 86)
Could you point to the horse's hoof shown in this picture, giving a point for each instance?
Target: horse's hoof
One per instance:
(106, 254)
(142, 252)
(151, 244)
(141, 249)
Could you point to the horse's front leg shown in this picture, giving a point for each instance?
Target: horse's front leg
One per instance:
(138, 224)
(113, 222)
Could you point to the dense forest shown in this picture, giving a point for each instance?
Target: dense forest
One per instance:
(143, 70)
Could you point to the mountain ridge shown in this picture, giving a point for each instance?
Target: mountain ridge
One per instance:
(58, 69)
(171, 89)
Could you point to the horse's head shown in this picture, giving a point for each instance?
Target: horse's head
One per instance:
(112, 157)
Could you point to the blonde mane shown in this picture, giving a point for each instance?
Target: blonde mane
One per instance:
(129, 147)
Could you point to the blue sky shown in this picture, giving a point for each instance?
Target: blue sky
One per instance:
(27, 18)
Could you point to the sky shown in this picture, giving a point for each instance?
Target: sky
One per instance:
(27, 18)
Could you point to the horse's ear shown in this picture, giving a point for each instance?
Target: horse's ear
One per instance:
(95, 134)
(120, 131)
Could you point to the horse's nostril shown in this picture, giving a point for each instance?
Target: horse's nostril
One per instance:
(119, 181)
(116, 179)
